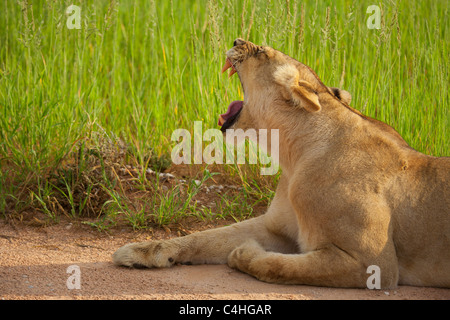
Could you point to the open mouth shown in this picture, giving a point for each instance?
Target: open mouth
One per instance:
(227, 119)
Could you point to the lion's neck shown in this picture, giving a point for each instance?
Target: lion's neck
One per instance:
(303, 137)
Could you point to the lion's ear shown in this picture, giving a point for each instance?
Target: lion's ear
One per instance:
(299, 91)
(342, 95)
(304, 93)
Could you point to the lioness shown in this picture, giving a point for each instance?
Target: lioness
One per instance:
(352, 193)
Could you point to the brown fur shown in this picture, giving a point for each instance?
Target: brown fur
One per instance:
(352, 192)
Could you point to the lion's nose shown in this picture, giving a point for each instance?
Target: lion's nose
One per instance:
(238, 42)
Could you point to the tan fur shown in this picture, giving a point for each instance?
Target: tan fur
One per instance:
(352, 192)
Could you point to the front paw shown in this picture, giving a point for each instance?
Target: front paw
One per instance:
(152, 254)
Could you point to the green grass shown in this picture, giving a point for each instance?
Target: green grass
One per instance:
(74, 103)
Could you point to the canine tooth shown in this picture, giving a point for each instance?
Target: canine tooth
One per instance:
(221, 121)
(227, 65)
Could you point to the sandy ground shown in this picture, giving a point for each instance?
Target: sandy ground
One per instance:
(34, 262)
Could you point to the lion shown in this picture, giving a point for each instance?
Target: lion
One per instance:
(352, 193)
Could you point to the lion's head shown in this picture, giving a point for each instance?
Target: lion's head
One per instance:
(271, 79)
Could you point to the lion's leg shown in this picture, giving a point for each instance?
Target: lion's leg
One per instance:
(328, 266)
(210, 246)
(323, 267)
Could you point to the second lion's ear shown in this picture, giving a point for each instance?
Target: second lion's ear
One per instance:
(299, 91)
(342, 95)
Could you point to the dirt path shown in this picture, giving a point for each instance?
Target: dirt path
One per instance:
(34, 262)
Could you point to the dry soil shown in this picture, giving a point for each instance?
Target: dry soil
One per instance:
(34, 263)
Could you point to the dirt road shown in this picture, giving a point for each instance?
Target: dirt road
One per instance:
(34, 263)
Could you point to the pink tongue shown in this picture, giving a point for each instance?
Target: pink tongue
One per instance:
(233, 108)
